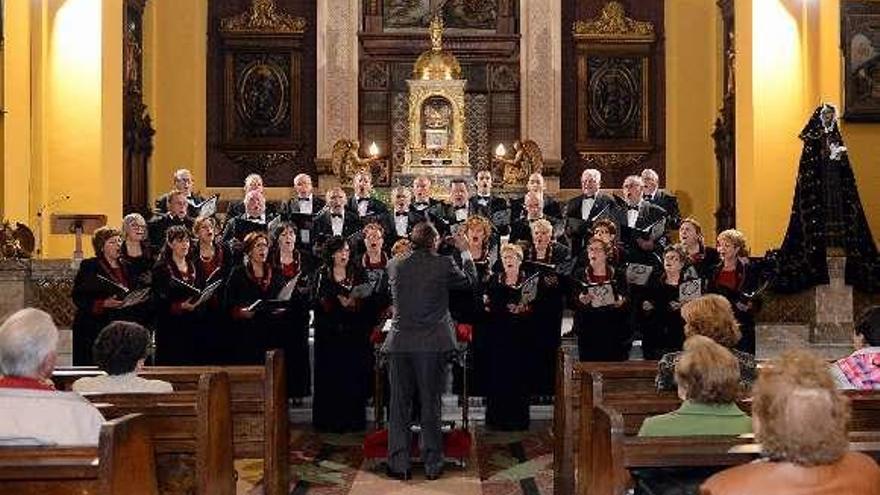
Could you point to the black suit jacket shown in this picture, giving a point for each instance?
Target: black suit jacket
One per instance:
(375, 208)
(239, 227)
(236, 208)
(322, 229)
(578, 229)
(551, 208)
(669, 203)
(649, 213)
(157, 226)
(292, 205)
(160, 207)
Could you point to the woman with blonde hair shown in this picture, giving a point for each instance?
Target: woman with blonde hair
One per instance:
(507, 405)
(707, 375)
(801, 422)
(710, 316)
(702, 257)
(736, 278)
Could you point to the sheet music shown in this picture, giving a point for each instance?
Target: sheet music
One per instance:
(208, 207)
(529, 290)
(286, 292)
(208, 292)
(601, 295)
(119, 287)
(638, 274)
(690, 289)
(501, 218)
(136, 297)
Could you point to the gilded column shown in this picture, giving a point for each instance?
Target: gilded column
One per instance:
(337, 52)
(541, 77)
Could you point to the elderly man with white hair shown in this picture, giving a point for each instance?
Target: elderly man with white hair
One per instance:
(581, 211)
(182, 180)
(253, 182)
(31, 411)
(651, 192)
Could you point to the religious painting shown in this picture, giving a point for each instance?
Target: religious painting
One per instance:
(457, 14)
(860, 32)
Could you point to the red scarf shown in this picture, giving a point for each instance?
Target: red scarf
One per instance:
(24, 382)
(264, 282)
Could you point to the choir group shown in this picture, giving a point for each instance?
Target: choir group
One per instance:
(224, 292)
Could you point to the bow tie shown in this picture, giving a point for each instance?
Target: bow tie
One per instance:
(648, 197)
(304, 200)
(363, 200)
(401, 214)
(590, 197)
(255, 217)
(336, 215)
(460, 208)
(421, 203)
(632, 207)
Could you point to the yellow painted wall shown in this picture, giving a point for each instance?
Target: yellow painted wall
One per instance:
(692, 102)
(64, 82)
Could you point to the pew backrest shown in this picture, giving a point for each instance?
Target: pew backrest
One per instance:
(122, 463)
(197, 423)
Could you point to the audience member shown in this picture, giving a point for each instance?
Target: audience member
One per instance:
(120, 351)
(707, 375)
(800, 420)
(861, 369)
(31, 411)
(711, 316)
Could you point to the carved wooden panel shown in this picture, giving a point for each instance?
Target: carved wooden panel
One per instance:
(724, 133)
(613, 66)
(260, 91)
(137, 142)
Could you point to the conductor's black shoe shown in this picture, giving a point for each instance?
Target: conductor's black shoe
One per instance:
(434, 476)
(402, 476)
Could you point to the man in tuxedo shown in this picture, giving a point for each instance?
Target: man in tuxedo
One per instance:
(361, 201)
(486, 205)
(182, 181)
(252, 182)
(401, 220)
(521, 229)
(458, 209)
(176, 215)
(253, 219)
(336, 219)
(536, 184)
(305, 201)
(422, 201)
(651, 192)
(635, 216)
(419, 344)
(581, 211)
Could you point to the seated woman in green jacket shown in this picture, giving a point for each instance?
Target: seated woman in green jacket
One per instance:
(708, 382)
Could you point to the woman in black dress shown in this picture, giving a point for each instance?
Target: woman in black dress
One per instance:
(175, 286)
(342, 342)
(213, 261)
(291, 264)
(601, 319)
(466, 306)
(98, 291)
(136, 249)
(660, 310)
(701, 258)
(547, 258)
(507, 394)
(736, 278)
(253, 280)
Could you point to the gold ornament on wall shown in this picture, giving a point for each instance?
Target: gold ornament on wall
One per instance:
(263, 17)
(613, 25)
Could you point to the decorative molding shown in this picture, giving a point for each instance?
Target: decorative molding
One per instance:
(724, 132)
(263, 17)
(604, 161)
(263, 162)
(613, 25)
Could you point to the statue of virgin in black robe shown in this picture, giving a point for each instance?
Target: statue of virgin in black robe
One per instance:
(826, 214)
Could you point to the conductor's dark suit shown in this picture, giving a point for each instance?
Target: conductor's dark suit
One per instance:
(420, 340)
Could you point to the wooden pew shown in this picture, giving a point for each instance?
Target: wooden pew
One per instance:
(258, 395)
(623, 378)
(197, 423)
(122, 463)
(616, 453)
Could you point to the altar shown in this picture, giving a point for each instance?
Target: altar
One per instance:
(436, 145)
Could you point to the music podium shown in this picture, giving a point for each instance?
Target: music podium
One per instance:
(62, 223)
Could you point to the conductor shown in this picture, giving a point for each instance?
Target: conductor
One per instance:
(419, 344)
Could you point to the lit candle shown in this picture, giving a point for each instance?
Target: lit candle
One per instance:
(500, 150)
(374, 150)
